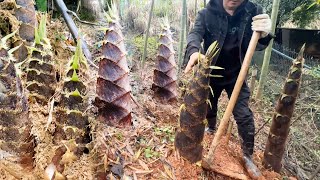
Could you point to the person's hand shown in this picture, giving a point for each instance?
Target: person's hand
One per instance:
(192, 61)
(262, 23)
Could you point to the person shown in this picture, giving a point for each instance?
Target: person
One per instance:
(230, 23)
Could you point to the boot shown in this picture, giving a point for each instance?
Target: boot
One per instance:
(251, 168)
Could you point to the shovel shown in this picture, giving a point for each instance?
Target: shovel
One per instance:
(226, 117)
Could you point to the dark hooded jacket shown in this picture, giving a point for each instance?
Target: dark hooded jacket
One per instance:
(213, 23)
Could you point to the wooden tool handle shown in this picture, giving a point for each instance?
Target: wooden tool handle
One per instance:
(242, 76)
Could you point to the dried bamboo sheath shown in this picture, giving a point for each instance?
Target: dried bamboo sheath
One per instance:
(15, 126)
(165, 77)
(280, 126)
(113, 87)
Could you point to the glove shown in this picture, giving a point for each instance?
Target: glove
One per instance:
(193, 60)
(262, 23)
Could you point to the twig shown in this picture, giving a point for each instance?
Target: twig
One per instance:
(262, 127)
(50, 114)
(315, 173)
(77, 17)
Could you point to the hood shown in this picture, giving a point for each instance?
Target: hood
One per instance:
(217, 6)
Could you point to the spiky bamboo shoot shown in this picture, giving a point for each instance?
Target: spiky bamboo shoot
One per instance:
(280, 126)
(194, 110)
(41, 75)
(72, 123)
(165, 77)
(15, 126)
(113, 88)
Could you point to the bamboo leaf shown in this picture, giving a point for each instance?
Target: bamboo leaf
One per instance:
(75, 93)
(75, 77)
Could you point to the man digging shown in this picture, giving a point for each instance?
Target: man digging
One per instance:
(231, 23)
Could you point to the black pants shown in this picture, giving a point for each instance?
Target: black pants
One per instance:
(242, 114)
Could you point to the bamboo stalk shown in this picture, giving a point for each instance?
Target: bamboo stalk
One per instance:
(182, 34)
(267, 55)
(242, 75)
(147, 34)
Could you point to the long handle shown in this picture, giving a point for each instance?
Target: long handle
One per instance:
(242, 75)
(74, 30)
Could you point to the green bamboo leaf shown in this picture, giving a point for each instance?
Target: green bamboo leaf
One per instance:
(36, 36)
(75, 93)
(75, 77)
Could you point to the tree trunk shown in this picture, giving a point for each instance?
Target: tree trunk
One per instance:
(280, 126)
(194, 110)
(144, 56)
(165, 76)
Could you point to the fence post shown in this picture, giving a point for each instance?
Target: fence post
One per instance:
(267, 55)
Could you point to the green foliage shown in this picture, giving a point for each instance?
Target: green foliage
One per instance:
(315, 72)
(150, 153)
(41, 5)
(166, 134)
(138, 42)
(295, 10)
(304, 14)
(40, 32)
(317, 2)
(162, 8)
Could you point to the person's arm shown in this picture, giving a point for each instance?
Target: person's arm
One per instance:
(195, 37)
